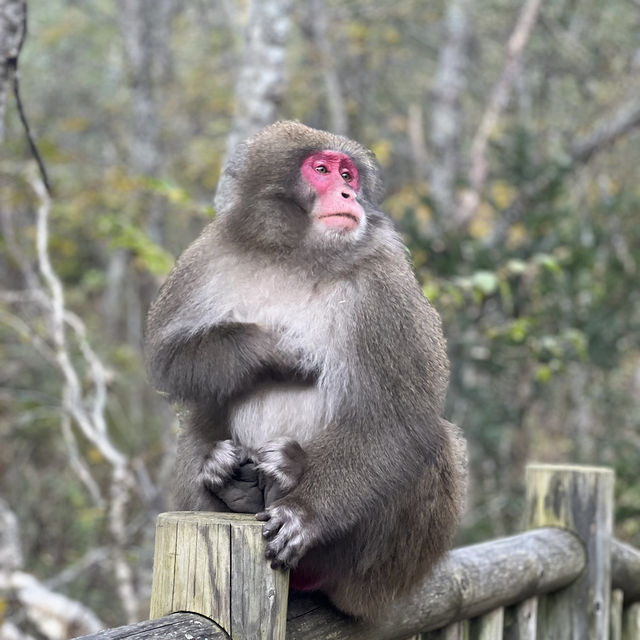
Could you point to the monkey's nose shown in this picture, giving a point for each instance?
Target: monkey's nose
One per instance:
(346, 195)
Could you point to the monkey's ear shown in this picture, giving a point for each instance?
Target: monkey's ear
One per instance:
(228, 192)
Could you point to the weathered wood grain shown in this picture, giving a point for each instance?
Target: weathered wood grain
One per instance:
(487, 627)
(615, 618)
(179, 626)
(625, 570)
(631, 622)
(454, 631)
(521, 620)
(579, 499)
(471, 581)
(213, 564)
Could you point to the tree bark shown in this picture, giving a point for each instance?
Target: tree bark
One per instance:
(318, 26)
(261, 81)
(446, 114)
(12, 32)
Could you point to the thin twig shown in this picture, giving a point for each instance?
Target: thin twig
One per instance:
(11, 65)
(497, 103)
(27, 129)
(90, 421)
(606, 131)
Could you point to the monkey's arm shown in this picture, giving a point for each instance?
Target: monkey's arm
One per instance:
(215, 362)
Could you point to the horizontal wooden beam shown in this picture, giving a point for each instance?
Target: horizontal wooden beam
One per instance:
(175, 627)
(445, 594)
(625, 570)
(470, 581)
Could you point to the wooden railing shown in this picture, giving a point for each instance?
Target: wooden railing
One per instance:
(566, 577)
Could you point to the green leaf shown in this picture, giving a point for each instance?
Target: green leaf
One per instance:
(548, 262)
(485, 281)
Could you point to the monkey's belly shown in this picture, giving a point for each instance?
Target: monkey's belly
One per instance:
(278, 409)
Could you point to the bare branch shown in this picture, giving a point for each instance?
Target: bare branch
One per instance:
(56, 616)
(604, 133)
(93, 557)
(89, 419)
(10, 549)
(415, 131)
(607, 131)
(12, 32)
(77, 464)
(498, 101)
(92, 426)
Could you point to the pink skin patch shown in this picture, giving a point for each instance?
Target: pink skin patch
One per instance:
(302, 580)
(336, 180)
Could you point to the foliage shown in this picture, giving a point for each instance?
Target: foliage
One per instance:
(538, 293)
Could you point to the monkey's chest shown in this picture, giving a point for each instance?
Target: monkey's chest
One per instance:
(278, 409)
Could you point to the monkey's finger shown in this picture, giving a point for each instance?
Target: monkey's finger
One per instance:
(286, 557)
(271, 529)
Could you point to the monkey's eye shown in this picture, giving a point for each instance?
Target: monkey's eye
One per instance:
(322, 169)
(346, 176)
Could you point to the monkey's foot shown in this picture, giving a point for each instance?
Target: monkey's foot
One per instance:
(243, 493)
(280, 462)
(288, 538)
(233, 478)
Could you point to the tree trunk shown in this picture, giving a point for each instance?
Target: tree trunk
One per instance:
(12, 32)
(449, 85)
(261, 81)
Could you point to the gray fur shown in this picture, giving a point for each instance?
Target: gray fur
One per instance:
(316, 353)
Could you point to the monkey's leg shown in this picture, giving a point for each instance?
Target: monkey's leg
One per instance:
(232, 476)
(280, 464)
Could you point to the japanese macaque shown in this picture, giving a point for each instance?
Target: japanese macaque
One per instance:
(312, 372)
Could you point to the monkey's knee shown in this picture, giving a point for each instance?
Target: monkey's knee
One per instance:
(281, 463)
(220, 464)
(282, 460)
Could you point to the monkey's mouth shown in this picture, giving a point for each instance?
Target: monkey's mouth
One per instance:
(342, 220)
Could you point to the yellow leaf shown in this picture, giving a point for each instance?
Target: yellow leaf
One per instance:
(357, 30)
(382, 149)
(391, 35)
(74, 125)
(482, 222)
(502, 193)
(517, 236)
(69, 22)
(94, 455)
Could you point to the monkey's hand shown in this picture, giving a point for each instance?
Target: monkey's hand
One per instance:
(280, 463)
(288, 534)
(231, 476)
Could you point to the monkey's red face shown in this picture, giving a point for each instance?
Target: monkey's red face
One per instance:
(336, 181)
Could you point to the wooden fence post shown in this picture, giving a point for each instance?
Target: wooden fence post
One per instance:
(213, 564)
(580, 499)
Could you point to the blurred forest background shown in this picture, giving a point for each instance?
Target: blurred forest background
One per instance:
(509, 136)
